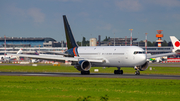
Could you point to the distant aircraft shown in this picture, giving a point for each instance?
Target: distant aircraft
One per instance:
(83, 58)
(176, 44)
(10, 57)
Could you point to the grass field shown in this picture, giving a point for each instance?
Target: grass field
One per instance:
(30, 88)
(64, 68)
(39, 88)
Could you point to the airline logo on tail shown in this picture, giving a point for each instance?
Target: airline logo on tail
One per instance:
(177, 43)
(36, 53)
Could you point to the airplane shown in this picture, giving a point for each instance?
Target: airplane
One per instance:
(176, 44)
(10, 57)
(85, 57)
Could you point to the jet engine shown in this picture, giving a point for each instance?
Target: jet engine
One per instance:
(83, 65)
(142, 67)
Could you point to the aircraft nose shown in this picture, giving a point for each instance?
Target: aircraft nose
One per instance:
(142, 59)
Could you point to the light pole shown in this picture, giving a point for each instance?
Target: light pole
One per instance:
(82, 39)
(125, 40)
(5, 44)
(146, 42)
(114, 39)
(131, 37)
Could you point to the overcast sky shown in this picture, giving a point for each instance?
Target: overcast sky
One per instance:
(90, 18)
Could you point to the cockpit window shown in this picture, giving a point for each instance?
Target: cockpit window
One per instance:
(139, 52)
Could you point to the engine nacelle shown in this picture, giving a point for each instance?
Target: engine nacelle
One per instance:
(142, 67)
(83, 65)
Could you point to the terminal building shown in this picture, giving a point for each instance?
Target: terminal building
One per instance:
(30, 42)
(121, 42)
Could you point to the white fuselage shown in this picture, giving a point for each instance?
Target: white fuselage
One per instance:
(114, 56)
(8, 57)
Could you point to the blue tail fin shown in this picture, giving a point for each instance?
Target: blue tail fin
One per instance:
(71, 43)
(36, 53)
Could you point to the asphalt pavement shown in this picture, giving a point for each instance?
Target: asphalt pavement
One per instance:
(96, 75)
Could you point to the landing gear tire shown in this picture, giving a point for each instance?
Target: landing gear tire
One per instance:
(121, 71)
(118, 71)
(85, 72)
(137, 73)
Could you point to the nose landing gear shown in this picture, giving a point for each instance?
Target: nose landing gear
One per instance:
(137, 72)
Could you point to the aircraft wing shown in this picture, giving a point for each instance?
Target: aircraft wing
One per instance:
(58, 58)
(160, 55)
(56, 53)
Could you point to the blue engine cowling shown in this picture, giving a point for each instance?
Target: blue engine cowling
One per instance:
(83, 65)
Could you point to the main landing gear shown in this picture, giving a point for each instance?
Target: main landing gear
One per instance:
(137, 72)
(85, 72)
(118, 71)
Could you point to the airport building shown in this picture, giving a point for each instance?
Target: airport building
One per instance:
(121, 42)
(30, 42)
(158, 50)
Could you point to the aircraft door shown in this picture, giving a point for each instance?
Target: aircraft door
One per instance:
(126, 55)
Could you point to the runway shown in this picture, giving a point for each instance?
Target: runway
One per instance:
(96, 75)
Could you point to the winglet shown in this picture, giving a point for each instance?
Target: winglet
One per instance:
(71, 43)
(176, 44)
